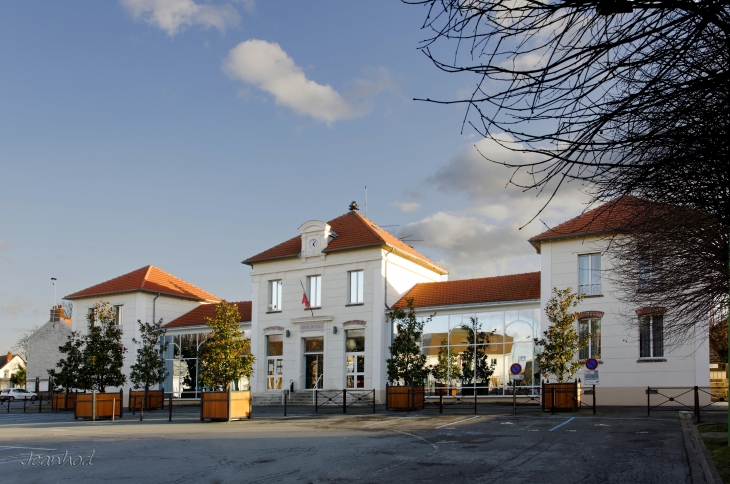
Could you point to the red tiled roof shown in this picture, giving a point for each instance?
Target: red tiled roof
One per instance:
(353, 232)
(514, 287)
(611, 217)
(147, 279)
(197, 316)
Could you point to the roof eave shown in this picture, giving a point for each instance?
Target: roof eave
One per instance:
(251, 262)
(477, 304)
(71, 297)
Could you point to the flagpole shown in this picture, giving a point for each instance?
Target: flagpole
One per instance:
(307, 299)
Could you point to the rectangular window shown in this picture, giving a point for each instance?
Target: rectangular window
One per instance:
(91, 317)
(650, 267)
(651, 336)
(356, 291)
(589, 331)
(275, 293)
(589, 274)
(314, 289)
(355, 358)
(117, 315)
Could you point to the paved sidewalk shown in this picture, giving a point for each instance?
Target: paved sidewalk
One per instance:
(617, 446)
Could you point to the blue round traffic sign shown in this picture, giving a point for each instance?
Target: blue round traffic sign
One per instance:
(515, 369)
(591, 363)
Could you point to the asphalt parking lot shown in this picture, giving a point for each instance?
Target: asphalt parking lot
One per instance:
(617, 446)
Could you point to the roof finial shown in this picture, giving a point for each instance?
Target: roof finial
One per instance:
(353, 206)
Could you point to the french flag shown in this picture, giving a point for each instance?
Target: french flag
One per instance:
(305, 301)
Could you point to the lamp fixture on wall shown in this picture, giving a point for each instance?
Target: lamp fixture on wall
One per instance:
(287, 333)
(334, 329)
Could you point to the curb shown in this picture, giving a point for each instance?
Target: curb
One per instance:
(698, 454)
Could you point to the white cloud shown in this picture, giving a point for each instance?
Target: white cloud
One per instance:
(248, 5)
(16, 306)
(174, 16)
(407, 206)
(266, 66)
(483, 237)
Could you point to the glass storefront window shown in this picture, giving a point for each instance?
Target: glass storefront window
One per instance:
(503, 338)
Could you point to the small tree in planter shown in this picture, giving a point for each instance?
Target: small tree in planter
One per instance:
(475, 361)
(69, 375)
(446, 370)
(561, 341)
(103, 353)
(149, 368)
(407, 364)
(226, 354)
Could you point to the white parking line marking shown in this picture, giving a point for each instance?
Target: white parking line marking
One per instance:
(385, 421)
(458, 421)
(560, 425)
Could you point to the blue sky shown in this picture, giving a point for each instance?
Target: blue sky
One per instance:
(192, 134)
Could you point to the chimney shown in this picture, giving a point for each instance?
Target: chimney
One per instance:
(57, 313)
(10, 356)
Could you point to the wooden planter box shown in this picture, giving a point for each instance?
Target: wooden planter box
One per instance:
(107, 404)
(62, 401)
(405, 398)
(155, 399)
(567, 396)
(225, 406)
(442, 389)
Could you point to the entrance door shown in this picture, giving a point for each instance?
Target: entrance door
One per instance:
(274, 374)
(314, 362)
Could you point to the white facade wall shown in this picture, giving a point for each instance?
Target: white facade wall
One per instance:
(335, 310)
(135, 306)
(624, 376)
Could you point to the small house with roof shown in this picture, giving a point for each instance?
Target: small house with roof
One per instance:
(43, 343)
(320, 300)
(632, 356)
(9, 364)
(146, 294)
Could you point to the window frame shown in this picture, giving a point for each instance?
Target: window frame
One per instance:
(276, 292)
(356, 356)
(594, 289)
(649, 326)
(314, 294)
(589, 351)
(359, 275)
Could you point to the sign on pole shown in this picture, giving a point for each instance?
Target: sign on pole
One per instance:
(515, 369)
(590, 377)
(591, 363)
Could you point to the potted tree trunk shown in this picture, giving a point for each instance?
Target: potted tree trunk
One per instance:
(559, 345)
(446, 371)
(476, 369)
(407, 365)
(225, 357)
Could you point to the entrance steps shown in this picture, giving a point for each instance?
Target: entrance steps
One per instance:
(305, 397)
(297, 398)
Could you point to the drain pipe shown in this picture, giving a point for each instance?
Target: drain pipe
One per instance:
(385, 301)
(153, 307)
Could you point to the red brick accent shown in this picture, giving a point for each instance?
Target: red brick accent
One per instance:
(651, 311)
(590, 315)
